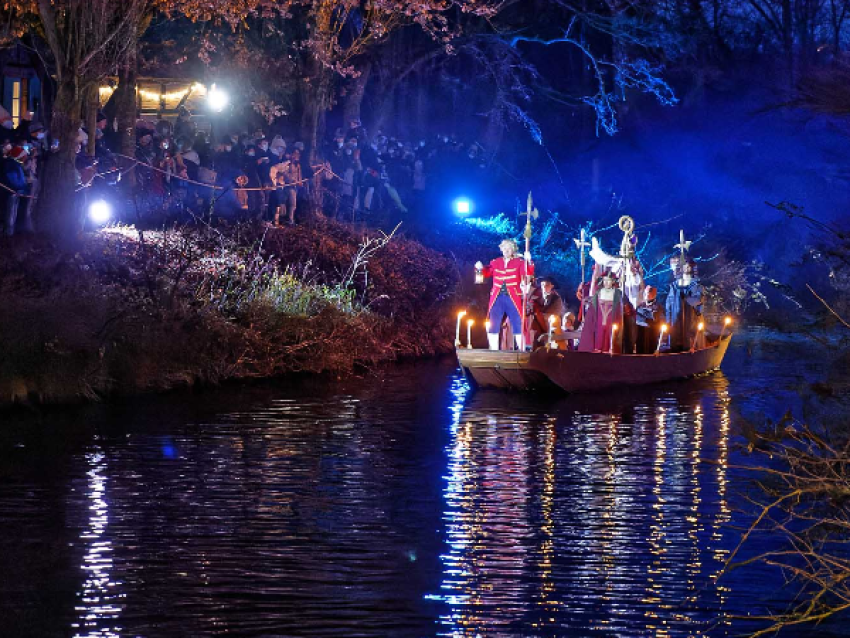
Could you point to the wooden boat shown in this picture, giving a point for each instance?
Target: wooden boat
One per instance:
(585, 371)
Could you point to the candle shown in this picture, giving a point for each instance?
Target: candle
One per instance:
(487, 326)
(460, 316)
(469, 333)
(552, 320)
(726, 323)
(613, 334)
(700, 327)
(660, 337)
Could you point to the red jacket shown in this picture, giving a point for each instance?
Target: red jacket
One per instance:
(511, 275)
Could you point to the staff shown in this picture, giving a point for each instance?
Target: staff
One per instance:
(529, 213)
(581, 244)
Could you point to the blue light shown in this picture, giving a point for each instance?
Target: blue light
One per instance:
(462, 206)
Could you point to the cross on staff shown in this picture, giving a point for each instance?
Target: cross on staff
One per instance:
(683, 245)
(581, 244)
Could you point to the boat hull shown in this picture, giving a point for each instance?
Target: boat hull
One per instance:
(584, 371)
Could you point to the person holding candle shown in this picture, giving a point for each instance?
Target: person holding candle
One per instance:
(510, 273)
(604, 310)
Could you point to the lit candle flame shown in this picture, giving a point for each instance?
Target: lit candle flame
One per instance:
(469, 322)
(700, 326)
(727, 320)
(663, 328)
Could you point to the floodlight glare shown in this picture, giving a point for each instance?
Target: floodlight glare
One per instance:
(217, 99)
(462, 206)
(100, 212)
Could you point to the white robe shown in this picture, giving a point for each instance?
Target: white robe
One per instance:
(631, 282)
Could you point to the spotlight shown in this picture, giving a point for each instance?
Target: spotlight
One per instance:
(217, 99)
(100, 212)
(462, 206)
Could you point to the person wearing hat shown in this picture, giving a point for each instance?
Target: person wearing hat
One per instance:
(509, 273)
(683, 306)
(14, 184)
(544, 303)
(277, 148)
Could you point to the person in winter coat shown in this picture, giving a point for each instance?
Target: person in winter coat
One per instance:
(14, 181)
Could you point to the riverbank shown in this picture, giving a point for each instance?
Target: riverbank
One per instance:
(133, 312)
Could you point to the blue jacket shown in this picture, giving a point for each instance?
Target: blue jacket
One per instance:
(12, 175)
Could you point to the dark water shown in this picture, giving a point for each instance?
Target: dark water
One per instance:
(396, 505)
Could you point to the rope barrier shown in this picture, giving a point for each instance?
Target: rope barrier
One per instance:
(320, 168)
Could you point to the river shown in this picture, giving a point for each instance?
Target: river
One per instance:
(398, 504)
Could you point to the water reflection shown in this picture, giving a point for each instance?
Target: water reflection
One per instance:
(603, 515)
(403, 508)
(99, 606)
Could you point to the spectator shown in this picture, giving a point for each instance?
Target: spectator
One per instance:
(184, 127)
(287, 177)
(14, 180)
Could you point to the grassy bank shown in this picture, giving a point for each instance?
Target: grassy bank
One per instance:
(137, 312)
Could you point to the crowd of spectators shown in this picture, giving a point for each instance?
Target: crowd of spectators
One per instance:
(181, 171)
(23, 148)
(385, 172)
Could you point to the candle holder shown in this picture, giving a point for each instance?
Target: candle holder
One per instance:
(460, 317)
(614, 329)
(726, 322)
(700, 327)
(479, 276)
(660, 339)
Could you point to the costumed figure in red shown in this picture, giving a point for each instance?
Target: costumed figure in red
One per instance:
(510, 274)
(603, 312)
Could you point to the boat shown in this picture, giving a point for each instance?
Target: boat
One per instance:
(576, 372)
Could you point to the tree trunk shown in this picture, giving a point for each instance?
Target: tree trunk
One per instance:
(92, 103)
(315, 104)
(354, 96)
(315, 95)
(57, 213)
(788, 37)
(125, 113)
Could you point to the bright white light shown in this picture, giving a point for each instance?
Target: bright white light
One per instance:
(462, 206)
(100, 212)
(217, 99)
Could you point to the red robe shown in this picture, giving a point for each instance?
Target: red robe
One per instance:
(596, 331)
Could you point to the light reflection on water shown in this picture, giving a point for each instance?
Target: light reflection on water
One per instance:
(589, 520)
(401, 506)
(100, 604)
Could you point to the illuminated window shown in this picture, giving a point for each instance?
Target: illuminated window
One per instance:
(16, 102)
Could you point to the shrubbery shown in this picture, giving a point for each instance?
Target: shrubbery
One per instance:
(148, 311)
